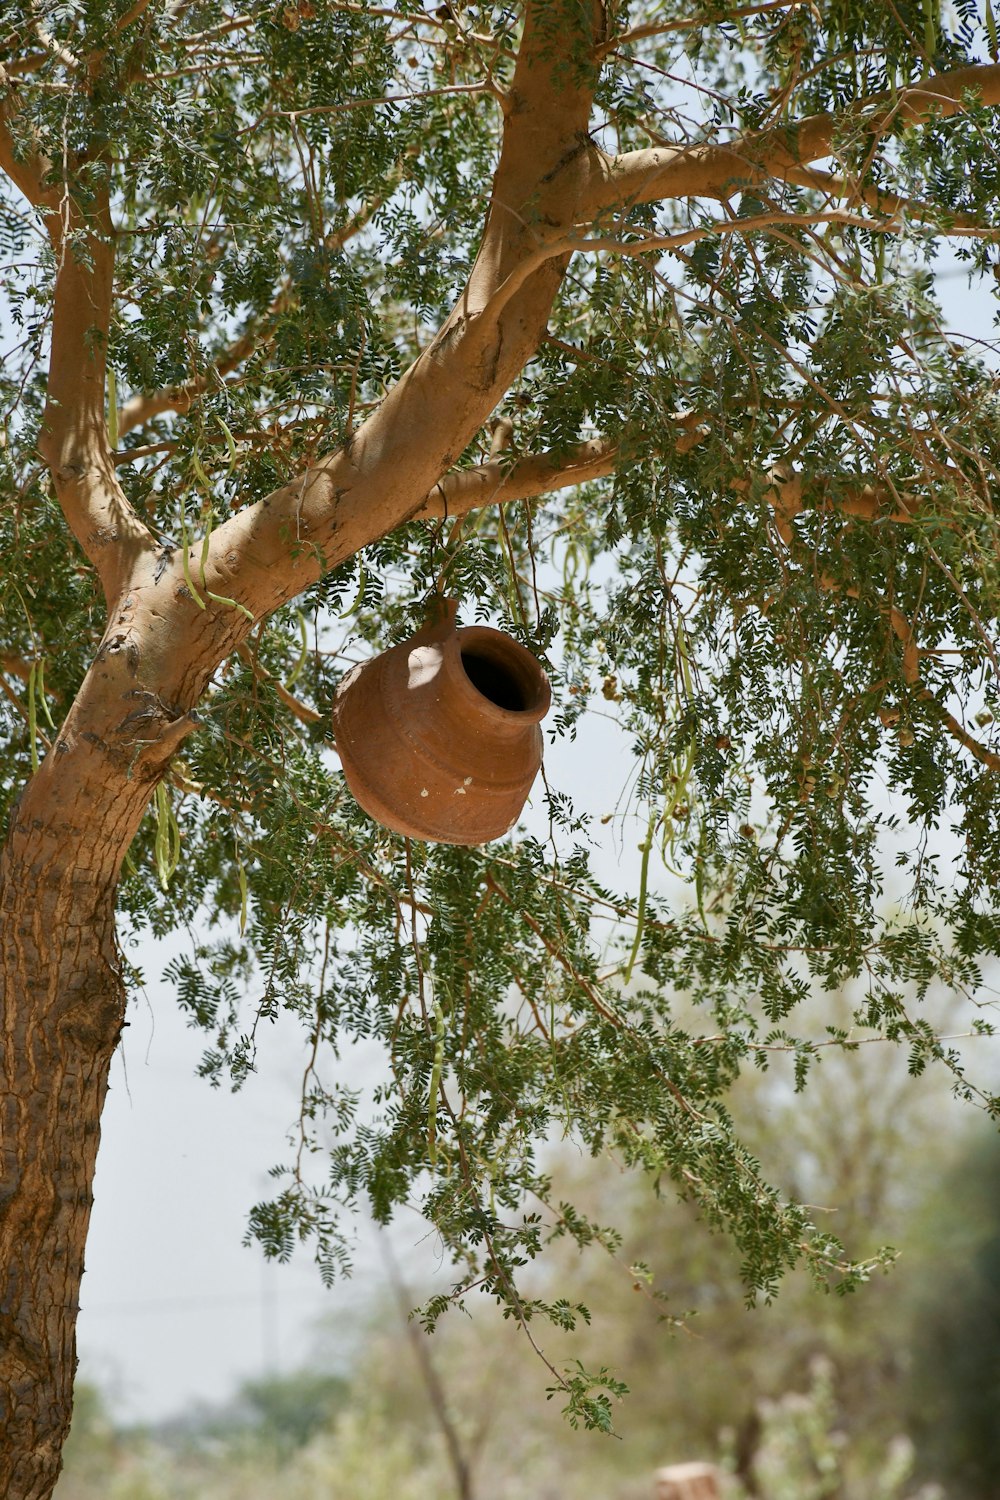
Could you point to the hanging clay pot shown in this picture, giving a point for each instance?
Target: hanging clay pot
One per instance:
(439, 736)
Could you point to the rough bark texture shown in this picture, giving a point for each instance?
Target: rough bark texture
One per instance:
(63, 1007)
(63, 1003)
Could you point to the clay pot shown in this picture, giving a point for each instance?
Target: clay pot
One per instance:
(439, 736)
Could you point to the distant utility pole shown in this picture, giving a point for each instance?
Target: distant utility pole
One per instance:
(268, 1320)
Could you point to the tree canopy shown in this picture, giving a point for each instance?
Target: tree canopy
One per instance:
(620, 325)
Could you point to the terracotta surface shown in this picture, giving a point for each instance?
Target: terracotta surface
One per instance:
(439, 736)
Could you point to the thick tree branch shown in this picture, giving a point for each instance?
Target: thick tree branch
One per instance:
(711, 171)
(27, 170)
(74, 437)
(55, 49)
(17, 67)
(881, 200)
(132, 14)
(501, 481)
(979, 751)
(140, 409)
(274, 549)
(788, 491)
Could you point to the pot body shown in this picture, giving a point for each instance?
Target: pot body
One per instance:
(439, 736)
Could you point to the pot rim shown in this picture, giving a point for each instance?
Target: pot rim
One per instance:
(501, 648)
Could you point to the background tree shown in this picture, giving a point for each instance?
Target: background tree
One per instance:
(805, 1396)
(288, 284)
(711, 1378)
(954, 1377)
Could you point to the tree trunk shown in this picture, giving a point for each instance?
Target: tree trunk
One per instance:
(62, 1003)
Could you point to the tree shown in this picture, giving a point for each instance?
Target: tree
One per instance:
(310, 302)
(954, 1376)
(866, 1141)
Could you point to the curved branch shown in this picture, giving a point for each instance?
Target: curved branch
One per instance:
(27, 170)
(881, 200)
(74, 437)
(270, 551)
(979, 751)
(868, 502)
(140, 409)
(33, 62)
(132, 14)
(56, 49)
(711, 171)
(501, 482)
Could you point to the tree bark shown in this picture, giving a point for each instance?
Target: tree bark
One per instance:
(62, 1005)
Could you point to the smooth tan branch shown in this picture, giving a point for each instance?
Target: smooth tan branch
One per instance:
(27, 172)
(665, 28)
(719, 171)
(501, 481)
(74, 436)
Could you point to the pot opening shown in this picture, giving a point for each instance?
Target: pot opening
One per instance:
(492, 679)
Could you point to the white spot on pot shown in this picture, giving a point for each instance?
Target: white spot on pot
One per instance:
(423, 665)
(425, 793)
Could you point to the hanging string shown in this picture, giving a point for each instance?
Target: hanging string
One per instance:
(446, 550)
